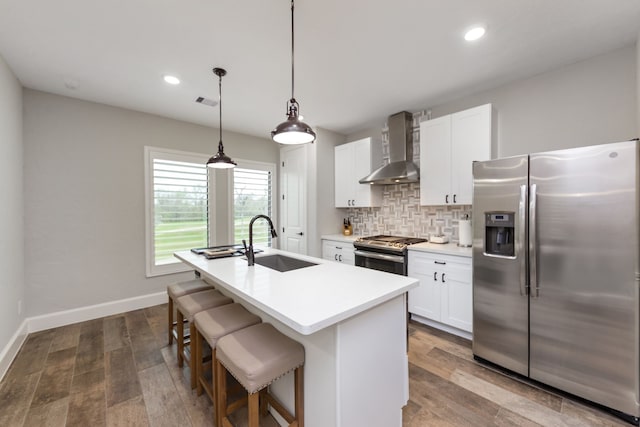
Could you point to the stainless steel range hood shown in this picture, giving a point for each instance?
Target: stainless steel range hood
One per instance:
(400, 168)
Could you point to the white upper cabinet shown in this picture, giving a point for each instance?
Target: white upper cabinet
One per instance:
(435, 161)
(448, 147)
(354, 161)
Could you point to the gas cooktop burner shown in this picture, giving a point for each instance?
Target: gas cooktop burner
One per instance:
(390, 242)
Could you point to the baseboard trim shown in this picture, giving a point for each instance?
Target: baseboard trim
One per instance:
(442, 327)
(67, 317)
(75, 315)
(12, 348)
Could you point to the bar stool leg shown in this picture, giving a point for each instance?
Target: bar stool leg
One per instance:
(254, 410)
(180, 338)
(170, 316)
(214, 396)
(299, 395)
(196, 340)
(264, 406)
(220, 393)
(192, 360)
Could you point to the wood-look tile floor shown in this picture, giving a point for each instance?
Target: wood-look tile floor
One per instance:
(119, 371)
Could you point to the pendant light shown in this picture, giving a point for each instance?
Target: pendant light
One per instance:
(220, 160)
(293, 130)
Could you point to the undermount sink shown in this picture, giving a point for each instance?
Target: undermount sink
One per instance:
(282, 263)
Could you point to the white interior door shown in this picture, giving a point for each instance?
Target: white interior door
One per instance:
(293, 185)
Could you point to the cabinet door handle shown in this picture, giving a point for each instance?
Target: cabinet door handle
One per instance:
(335, 257)
(446, 198)
(348, 202)
(300, 233)
(435, 273)
(454, 199)
(339, 247)
(443, 278)
(340, 258)
(440, 262)
(353, 202)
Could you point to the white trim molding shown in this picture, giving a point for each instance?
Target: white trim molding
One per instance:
(12, 348)
(150, 154)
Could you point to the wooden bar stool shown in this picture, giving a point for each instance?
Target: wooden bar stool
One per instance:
(186, 307)
(256, 356)
(211, 325)
(178, 290)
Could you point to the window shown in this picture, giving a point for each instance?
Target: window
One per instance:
(177, 194)
(253, 194)
(180, 212)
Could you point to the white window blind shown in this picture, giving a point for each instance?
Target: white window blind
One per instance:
(252, 194)
(177, 207)
(180, 208)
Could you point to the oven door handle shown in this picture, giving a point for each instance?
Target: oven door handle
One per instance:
(384, 257)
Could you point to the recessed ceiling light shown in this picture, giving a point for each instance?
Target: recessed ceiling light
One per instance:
(474, 34)
(172, 80)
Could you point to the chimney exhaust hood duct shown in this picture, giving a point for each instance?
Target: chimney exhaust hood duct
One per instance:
(400, 168)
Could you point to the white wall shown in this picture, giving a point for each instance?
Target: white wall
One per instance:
(12, 201)
(323, 217)
(586, 103)
(84, 197)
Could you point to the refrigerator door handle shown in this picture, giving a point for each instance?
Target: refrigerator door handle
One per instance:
(522, 212)
(533, 239)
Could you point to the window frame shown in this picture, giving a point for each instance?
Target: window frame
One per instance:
(151, 153)
(263, 166)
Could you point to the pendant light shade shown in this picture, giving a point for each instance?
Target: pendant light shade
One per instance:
(293, 130)
(220, 160)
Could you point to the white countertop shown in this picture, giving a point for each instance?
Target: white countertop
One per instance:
(340, 238)
(445, 249)
(308, 299)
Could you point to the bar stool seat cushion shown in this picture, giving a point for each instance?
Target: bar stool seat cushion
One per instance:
(193, 303)
(258, 355)
(180, 289)
(217, 322)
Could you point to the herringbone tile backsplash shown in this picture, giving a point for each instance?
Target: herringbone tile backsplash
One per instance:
(401, 213)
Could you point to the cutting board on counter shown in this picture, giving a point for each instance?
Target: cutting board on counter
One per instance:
(222, 251)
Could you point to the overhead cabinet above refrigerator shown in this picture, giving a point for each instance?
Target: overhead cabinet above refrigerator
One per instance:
(555, 270)
(448, 147)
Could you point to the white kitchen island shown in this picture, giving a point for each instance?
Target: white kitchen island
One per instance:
(351, 321)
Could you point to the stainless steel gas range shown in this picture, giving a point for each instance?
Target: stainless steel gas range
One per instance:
(384, 253)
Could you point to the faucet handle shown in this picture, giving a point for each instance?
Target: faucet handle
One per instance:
(244, 242)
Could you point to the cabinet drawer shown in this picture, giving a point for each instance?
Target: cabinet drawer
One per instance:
(334, 250)
(421, 260)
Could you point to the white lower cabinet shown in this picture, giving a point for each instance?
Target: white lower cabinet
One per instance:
(445, 293)
(338, 251)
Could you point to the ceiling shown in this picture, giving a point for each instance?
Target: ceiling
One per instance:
(356, 61)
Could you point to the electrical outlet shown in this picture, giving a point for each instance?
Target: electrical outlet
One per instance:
(19, 307)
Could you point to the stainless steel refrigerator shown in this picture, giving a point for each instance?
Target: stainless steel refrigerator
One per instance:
(556, 270)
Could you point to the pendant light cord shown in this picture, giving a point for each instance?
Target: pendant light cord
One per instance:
(220, 103)
(292, 59)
